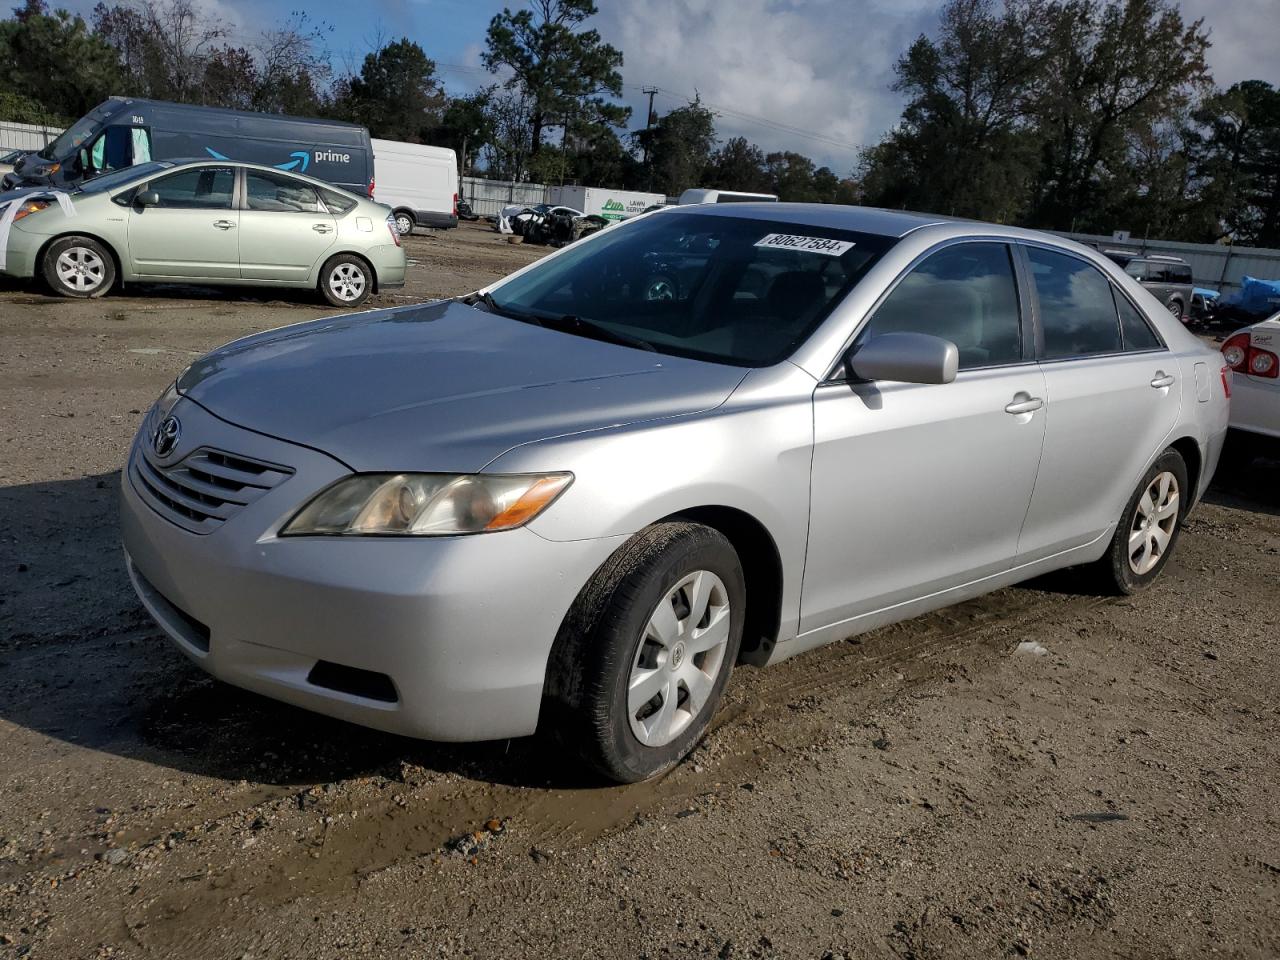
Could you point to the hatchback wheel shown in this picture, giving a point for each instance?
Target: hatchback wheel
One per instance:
(1149, 529)
(345, 281)
(646, 651)
(79, 267)
(404, 223)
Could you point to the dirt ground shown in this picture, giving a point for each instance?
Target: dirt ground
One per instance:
(923, 791)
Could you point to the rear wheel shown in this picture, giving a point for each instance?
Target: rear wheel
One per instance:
(79, 267)
(646, 651)
(346, 280)
(1149, 528)
(404, 222)
(1175, 308)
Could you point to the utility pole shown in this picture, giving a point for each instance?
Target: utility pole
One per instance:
(648, 122)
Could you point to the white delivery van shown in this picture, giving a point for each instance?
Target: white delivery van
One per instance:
(701, 195)
(419, 183)
(610, 204)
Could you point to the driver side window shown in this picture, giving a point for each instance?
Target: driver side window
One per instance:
(966, 293)
(199, 188)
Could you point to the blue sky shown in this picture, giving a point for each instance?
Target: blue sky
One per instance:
(806, 75)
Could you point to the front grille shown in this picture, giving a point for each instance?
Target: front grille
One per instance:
(205, 488)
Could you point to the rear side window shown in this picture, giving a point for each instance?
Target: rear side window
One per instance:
(964, 293)
(1138, 334)
(200, 188)
(274, 192)
(338, 203)
(1077, 311)
(1180, 273)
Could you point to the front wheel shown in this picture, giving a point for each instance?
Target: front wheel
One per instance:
(79, 267)
(346, 280)
(1149, 527)
(644, 654)
(1175, 308)
(404, 222)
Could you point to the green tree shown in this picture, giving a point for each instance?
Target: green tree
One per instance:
(466, 126)
(1112, 74)
(739, 165)
(1234, 150)
(680, 147)
(961, 148)
(563, 71)
(58, 56)
(396, 94)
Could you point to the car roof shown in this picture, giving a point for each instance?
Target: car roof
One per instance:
(889, 223)
(178, 163)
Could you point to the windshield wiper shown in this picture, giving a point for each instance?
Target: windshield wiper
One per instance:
(596, 330)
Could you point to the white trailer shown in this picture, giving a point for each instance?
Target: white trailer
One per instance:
(610, 204)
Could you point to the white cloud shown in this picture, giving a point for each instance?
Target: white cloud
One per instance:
(817, 65)
(1245, 36)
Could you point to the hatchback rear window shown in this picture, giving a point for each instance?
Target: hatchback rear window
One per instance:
(734, 290)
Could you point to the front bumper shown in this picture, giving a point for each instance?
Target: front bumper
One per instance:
(461, 627)
(20, 258)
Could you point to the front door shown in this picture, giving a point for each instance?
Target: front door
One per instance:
(1113, 393)
(285, 230)
(918, 488)
(191, 232)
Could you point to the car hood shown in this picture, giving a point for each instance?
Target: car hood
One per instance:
(441, 386)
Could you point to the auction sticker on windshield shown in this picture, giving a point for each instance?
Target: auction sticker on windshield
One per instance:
(785, 241)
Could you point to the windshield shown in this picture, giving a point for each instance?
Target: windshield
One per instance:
(109, 181)
(728, 289)
(74, 136)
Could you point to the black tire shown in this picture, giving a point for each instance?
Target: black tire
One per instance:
(1175, 308)
(78, 267)
(1117, 569)
(604, 637)
(405, 222)
(350, 266)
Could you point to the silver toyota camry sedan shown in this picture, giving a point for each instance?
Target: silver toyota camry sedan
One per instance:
(576, 499)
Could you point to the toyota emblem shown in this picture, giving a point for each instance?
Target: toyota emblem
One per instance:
(166, 436)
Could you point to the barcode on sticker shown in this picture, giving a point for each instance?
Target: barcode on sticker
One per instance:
(785, 241)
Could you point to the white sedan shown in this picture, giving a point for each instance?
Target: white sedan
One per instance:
(1253, 353)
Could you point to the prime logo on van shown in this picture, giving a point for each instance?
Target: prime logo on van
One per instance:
(329, 156)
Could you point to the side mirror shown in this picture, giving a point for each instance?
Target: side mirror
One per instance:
(147, 198)
(904, 357)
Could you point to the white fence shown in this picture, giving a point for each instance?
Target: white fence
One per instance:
(25, 136)
(1216, 266)
(488, 197)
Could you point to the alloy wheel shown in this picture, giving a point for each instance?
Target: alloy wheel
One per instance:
(679, 658)
(80, 269)
(1154, 522)
(347, 282)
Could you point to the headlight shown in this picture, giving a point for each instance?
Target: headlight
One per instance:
(427, 504)
(47, 170)
(29, 207)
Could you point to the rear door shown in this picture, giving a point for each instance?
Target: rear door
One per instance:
(285, 229)
(1113, 393)
(191, 232)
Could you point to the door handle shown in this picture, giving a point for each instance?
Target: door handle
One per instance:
(1024, 404)
(1162, 380)
(224, 224)
(321, 228)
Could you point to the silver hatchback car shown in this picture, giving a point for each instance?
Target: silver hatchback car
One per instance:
(566, 502)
